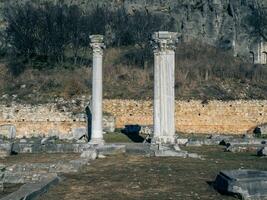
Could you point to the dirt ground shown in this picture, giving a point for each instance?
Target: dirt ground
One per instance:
(38, 158)
(9, 188)
(130, 177)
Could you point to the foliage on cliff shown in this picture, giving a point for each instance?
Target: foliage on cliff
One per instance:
(47, 55)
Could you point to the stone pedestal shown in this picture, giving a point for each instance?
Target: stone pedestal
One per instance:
(97, 96)
(164, 98)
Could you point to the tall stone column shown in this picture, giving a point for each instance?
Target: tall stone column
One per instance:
(97, 96)
(164, 83)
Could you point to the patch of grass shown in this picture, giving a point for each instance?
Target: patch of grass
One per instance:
(116, 138)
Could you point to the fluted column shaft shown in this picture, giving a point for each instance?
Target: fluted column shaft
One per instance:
(164, 97)
(97, 90)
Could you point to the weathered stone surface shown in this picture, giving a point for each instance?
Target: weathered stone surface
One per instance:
(31, 191)
(79, 133)
(262, 151)
(5, 150)
(39, 120)
(164, 44)
(261, 130)
(146, 130)
(2, 174)
(245, 141)
(171, 153)
(138, 149)
(109, 123)
(182, 141)
(89, 154)
(111, 149)
(243, 148)
(249, 184)
(8, 131)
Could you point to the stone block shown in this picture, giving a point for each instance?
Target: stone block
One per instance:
(109, 123)
(182, 141)
(79, 133)
(261, 130)
(89, 154)
(5, 150)
(171, 153)
(111, 149)
(262, 151)
(8, 131)
(248, 184)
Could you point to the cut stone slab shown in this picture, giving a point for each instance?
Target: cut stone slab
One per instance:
(111, 149)
(248, 184)
(171, 153)
(31, 191)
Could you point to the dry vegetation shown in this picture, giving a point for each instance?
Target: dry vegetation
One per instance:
(42, 60)
(202, 72)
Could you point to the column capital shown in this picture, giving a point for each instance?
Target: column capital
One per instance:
(164, 40)
(97, 44)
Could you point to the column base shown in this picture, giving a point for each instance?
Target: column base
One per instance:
(164, 140)
(97, 141)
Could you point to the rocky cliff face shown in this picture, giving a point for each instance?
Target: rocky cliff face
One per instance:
(221, 23)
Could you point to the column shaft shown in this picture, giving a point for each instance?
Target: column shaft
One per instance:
(164, 88)
(97, 90)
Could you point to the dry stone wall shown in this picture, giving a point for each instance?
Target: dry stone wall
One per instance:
(233, 117)
(218, 117)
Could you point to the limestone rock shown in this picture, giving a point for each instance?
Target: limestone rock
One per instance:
(89, 154)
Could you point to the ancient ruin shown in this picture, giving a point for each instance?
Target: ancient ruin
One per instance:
(97, 96)
(164, 98)
(258, 53)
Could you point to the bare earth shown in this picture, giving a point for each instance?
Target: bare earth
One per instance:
(130, 177)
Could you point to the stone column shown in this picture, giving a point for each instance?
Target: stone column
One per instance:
(164, 98)
(97, 96)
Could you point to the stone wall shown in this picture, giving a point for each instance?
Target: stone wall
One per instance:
(60, 119)
(233, 117)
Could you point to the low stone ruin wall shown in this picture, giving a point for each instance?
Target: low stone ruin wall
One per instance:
(65, 118)
(212, 117)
